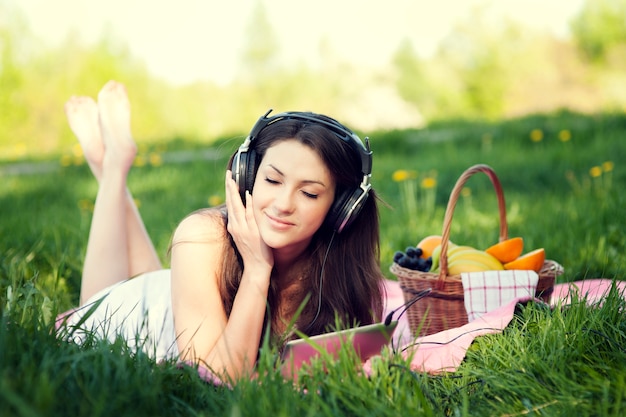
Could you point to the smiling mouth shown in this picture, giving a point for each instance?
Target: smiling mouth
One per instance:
(278, 223)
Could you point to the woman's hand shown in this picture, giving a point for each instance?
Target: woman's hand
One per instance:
(245, 232)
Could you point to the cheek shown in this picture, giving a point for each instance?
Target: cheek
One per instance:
(260, 193)
(258, 202)
(317, 214)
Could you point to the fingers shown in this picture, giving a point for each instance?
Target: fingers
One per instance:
(249, 211)
(243, 228)
(238, 215)
(231, 202)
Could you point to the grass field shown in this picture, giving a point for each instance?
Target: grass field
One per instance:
(562, 175)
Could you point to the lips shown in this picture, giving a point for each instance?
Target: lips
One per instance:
(277, 223)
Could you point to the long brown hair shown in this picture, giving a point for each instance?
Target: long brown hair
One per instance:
(342, 274)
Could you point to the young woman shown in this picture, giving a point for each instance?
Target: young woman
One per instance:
(299, 228)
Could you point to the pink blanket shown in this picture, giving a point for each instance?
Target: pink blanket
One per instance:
(444, 351)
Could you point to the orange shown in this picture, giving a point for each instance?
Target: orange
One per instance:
(428, 244)
(532, 261)
(508, 250)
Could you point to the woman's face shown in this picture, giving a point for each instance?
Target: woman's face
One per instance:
(293, 192)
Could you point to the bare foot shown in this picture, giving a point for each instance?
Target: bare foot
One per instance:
(82, 115)
(114, 107)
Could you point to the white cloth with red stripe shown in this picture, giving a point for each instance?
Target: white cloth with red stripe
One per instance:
(486, 291)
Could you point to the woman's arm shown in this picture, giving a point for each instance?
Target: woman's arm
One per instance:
(205, 335)
(228, 346)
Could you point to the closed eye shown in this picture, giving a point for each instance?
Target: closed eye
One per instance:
(306, 194)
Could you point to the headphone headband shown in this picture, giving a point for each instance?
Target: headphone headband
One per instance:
(334, 126)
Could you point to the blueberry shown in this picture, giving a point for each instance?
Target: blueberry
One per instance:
(397, 256)
(413, 252)
(419, 264)
(404, 261)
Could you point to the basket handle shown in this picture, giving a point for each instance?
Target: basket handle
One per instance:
(454, 196)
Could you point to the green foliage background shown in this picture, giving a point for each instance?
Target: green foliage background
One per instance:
(483, 70)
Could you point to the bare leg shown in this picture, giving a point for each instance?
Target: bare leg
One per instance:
(115, 122)
(119, 246)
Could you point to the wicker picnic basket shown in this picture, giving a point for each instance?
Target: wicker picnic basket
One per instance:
(444, 307)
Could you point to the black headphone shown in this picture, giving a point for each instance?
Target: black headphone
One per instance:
(346, 206)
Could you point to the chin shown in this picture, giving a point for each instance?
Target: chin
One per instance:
(281, 242)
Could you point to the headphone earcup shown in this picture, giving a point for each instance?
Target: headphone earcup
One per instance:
(345, 209)
(243, 168)
(250, 173)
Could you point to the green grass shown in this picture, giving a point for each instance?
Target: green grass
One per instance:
(570, 361)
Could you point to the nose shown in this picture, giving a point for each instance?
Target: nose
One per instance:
(284, 201)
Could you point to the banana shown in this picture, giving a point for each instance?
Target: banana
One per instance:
(461, 252)
(435, 259)
(437, 254)
(465, 265)
(491, 261)
(471, 261)
(478, 256)
(466, 259)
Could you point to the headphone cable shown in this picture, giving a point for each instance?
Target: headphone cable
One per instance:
(319, 301)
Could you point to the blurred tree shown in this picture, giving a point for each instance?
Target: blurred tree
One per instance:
(260, 53)
(485, 69)
(599, 27)
(599, 32)
(481, 53)
(14, 50)
(77, 69)
(259, 64)
(412, 81)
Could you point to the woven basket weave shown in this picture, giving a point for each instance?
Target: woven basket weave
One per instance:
(444, 307)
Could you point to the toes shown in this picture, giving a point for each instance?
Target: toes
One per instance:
(112, 89)
(109, 86)
(80, 105)
(71, 104)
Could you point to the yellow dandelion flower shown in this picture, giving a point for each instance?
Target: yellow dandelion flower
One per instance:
(595, 171)
(156, 159)
(466, 192)
(215, 200)
(77, 160)
(140, 161)
(137, 202)
(487, 141)
(607, 166)
(428, 182)
(66, 160)
(403, 175)
(77, 150)
(85, 205)
(565, 135)
(536, 135)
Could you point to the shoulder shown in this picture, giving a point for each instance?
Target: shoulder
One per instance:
(201, 226)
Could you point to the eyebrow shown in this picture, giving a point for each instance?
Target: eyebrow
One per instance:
(303, 182)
